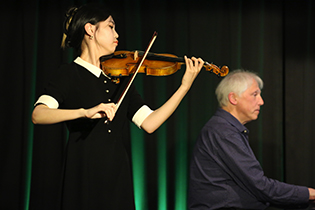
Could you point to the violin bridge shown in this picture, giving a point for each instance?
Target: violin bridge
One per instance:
(135, 55)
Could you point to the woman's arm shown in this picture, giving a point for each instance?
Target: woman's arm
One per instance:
(159, 116)
(42, 114)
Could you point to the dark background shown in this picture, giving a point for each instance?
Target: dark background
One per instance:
(274, 38)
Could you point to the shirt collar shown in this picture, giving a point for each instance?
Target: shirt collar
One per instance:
(231, 119)
(90, 67)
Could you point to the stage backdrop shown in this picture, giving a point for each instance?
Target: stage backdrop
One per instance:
(274, 38)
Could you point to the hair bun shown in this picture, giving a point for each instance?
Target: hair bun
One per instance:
(69, 17)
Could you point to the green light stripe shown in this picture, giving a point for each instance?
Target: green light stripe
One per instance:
(162, 168)
(181, 157)
(162, 151)
(28, 163)
(162, 172)
(138, 160)
(30, 127)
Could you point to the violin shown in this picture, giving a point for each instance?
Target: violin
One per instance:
(123, 63)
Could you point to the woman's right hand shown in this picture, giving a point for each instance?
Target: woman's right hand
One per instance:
(42, 114)
(102, 110)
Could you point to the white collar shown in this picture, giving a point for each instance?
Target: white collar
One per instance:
(90, 67)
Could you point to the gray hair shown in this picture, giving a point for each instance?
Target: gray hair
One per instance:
(237, 81)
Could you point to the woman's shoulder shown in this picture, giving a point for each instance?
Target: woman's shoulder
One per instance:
(68, 69)
(62, 72)
(67, 66)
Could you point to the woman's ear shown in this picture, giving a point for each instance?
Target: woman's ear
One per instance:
(232, 98)
(89, 29)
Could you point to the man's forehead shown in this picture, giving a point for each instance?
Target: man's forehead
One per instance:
(254, 87)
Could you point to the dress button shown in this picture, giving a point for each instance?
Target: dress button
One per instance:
(107, 91)
(109, 131)
(105, 81)
(109, 100)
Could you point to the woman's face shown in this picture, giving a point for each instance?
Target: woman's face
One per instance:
(106, 36)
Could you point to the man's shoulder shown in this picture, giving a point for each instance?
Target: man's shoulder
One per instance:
(218, 126)
(222, 126)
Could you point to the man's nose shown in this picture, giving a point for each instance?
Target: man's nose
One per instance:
(261, 101)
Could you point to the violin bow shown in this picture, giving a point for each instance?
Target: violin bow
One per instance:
(122, 96)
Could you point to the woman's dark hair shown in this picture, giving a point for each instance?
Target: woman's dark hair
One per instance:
(76, 18)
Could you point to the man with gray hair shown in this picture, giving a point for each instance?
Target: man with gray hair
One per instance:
(224, 172)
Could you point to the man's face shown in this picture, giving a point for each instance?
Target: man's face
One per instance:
(248, 104)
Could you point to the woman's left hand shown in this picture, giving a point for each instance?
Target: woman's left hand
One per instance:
(193, 67)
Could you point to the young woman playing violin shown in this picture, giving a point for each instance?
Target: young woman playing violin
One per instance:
(97, 173)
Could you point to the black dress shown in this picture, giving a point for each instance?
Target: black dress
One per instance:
(97, 171)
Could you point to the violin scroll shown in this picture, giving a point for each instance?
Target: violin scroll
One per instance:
(216, 70)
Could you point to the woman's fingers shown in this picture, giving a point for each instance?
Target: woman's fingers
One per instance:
(102, 110)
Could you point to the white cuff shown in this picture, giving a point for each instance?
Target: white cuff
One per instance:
(47, 100)
(141, 114)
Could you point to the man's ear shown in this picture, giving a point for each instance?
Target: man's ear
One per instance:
(89, 29)
(232, 98)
